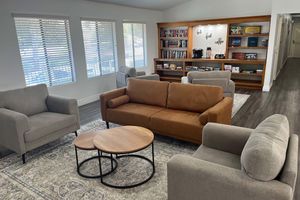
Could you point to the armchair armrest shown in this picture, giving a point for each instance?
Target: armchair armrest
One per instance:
(227, 138)
(193, 179)
(219, 113)
(140, 73)
(13, 125)
(105, 97)
(64, 106)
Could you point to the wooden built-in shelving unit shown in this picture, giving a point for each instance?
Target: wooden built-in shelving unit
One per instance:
(171, 42)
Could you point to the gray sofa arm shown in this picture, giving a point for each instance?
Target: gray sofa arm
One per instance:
(153, 77)
(13, 125)
(121, 79)
(227, 138)
(190, 178)
(64, 106)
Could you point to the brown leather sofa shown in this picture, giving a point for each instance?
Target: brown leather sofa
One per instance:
(171, 109)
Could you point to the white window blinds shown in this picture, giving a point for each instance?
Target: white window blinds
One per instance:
(46, 51)
(100, 47)
(134, 42)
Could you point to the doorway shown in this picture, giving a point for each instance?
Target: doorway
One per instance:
(295, 43)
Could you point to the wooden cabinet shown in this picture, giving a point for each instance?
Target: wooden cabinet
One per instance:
(175, 47)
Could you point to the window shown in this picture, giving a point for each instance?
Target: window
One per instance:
(99, 45)
(46, 51)
(134, 42)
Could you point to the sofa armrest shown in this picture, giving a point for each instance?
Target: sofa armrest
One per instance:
(227, 138)
(140, 73)
(219, 113)
(191, 178)
(13, 125)
(154, 77)
(64, 106)
(105, 97)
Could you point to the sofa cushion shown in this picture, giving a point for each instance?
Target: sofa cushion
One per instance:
(205, 75)
(195, 98)
(43, 124)
(132, 114)
(28, 101)
(148, 92)
(113, 103)
(219, 157)
(177, 123)
(221, 82)
(265, 151)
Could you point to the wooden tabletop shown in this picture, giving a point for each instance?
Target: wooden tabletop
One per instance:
(125, 139)
(85, 141)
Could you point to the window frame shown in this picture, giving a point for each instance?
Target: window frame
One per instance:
(144, 42)
(115, 47)
(69, 45)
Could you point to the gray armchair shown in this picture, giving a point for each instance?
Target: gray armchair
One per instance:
(217, 78)
(129, 72)
(30, 118)
(219, 169)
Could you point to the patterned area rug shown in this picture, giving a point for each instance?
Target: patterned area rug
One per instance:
(239, 101)
(50, 171)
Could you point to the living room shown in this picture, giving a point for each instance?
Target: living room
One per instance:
(175, 99)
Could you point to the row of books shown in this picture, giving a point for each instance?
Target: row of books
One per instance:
(173, 43)
(173, 33)
(173, 54)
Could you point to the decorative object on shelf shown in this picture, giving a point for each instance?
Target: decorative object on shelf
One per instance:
(219, 56)
(252, 41)
(197, 53)
(208, 53)
(238, 55)
(228, 67)
(166, 66)
(235, 42)
(159, 66)
(179, 68)
(264, 42)
(252, 30)
(259, 71)
(235, 70)
(172, 66)
(236, 30)
(251, 56)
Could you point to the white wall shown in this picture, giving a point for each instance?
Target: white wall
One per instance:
(84, 89)
(203, 9)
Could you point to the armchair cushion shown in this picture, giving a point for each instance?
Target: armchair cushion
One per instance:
(46, 123)
(113, 103)
(265, 151)
(28, 101)
(221, 82)
(211, 74)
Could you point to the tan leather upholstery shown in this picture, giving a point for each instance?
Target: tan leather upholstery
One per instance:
(195, 98)
(113, 103)
(189, 108)
(132, 114)
(148, 92)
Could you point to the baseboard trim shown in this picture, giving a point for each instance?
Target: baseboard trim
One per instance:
(266, 88)
(88, 100)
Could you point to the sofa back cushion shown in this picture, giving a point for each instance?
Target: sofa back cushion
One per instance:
(29, 101)
(208, 75)
(265, 151)
(221, 82)
(195, 98)
(148, 92)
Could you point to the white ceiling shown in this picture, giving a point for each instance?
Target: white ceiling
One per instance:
(147, 4)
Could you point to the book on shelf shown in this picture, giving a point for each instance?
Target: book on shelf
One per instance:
(173, 33)
(173, 43)
(173, 54)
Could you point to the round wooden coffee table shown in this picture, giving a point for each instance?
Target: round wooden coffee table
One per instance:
(85, 142)
(124, 140)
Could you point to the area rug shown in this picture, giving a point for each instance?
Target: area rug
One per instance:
(50, 171)
(239, 101)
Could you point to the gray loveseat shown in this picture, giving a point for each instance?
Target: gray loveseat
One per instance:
(125, 73)
(235, 163)
(217, 78)
(30, 118)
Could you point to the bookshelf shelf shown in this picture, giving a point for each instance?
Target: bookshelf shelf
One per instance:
(181, 33)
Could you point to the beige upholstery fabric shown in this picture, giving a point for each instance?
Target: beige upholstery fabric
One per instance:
(264, 153)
